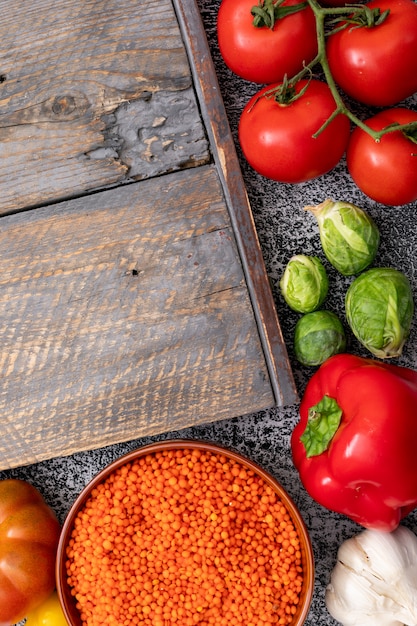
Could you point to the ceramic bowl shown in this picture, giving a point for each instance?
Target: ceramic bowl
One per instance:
(146, 455)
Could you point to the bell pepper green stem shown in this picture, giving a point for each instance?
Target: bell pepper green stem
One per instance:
(322, 423)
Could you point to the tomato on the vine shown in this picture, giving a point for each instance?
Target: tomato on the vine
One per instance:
(278, 140)
(385, 170)
(377, 65)
(261, 54)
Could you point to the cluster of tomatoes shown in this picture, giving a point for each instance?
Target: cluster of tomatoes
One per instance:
(295, 129)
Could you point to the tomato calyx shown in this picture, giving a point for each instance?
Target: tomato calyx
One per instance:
(267, 12)
(361, 17)
(284, 94)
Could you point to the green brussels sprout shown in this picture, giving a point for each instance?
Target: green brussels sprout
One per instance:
(318, 336)
(304, 284)
(379, 309)
(348, 235)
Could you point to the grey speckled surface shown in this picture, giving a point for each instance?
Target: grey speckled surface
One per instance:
(284, 229)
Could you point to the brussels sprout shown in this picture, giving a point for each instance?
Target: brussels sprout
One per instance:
(318, 336)
(379, 309)
(348, 235)
(304, 284)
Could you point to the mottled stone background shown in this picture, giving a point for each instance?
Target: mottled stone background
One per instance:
(284, 229)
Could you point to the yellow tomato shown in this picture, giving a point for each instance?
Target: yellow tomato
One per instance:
(49, 613)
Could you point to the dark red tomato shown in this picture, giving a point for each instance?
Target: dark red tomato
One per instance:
(277, 139)
(261, 54)
(378, 65)
(386, 171)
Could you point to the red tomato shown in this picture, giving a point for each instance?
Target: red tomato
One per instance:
(386, 171)
(378, 65)
(29, 534)
(277, 139)
(334, 3)
(261, 54)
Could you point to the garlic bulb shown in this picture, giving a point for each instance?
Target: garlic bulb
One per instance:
(374, 582)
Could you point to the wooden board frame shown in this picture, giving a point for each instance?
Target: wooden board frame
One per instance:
(225, 156)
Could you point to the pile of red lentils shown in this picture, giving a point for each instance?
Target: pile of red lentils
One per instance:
(184, 537)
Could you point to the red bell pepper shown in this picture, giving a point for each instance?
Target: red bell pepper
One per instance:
(355, 445)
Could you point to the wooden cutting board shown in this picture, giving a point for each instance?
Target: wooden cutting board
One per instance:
(133, 295)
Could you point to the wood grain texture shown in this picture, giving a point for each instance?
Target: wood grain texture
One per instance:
(124, 314)
(225, 157)
(81, 104)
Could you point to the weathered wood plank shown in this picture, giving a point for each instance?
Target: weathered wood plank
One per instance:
(92, 93)
(121, 315)
(225, 157)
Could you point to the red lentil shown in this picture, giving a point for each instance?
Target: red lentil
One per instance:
(184, 537)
